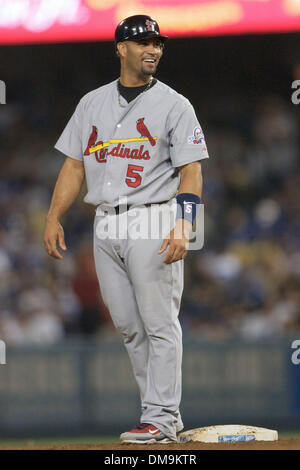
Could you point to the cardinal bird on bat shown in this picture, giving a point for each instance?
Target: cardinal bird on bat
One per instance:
(92, 140)
(142, 128)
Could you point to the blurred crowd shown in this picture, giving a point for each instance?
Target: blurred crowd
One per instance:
(244, 283)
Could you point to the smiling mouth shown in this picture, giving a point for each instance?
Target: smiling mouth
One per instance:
(149, 61)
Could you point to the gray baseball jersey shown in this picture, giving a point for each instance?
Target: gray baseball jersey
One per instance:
(133, 151)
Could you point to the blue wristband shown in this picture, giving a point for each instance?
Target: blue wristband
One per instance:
(187, 205)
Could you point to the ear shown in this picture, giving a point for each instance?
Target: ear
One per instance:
(121, 49)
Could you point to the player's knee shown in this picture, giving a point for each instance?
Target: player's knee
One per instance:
(163, 335)
(131, 334)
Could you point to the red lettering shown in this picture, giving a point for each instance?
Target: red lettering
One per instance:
(100, 157)
(115, 151)
(134, 153)
(127, 153)
(122, 151)
(140, 156)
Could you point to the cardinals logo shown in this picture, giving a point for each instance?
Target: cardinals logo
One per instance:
(92, 140)
(118, 148)
(143, 130)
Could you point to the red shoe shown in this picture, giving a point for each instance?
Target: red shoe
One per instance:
(144, 434)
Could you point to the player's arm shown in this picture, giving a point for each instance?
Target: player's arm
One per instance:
(191, 179)
(190, 182)
(67, 188)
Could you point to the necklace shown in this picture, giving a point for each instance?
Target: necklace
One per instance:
(119, 95)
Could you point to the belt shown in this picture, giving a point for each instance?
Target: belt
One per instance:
(120, 209)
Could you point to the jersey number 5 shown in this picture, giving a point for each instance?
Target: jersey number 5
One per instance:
(134, 179)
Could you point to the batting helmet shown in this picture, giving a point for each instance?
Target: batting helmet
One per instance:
(137, 27)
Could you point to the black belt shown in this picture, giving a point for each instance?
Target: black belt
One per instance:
(120, 209)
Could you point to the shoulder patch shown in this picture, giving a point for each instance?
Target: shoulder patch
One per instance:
(197, 137)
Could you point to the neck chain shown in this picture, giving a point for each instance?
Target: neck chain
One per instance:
(119, 95)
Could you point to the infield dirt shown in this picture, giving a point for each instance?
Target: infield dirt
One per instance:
(281, 444)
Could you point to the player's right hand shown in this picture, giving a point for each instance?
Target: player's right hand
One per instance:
(53, 235)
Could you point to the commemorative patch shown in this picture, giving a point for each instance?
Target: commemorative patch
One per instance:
(197, 137)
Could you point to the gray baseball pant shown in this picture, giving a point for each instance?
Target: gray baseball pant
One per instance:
(143, 295)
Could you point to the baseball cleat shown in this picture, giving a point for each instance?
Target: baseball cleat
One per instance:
(144, 434)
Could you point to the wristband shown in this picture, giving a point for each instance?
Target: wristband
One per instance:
(187, 206)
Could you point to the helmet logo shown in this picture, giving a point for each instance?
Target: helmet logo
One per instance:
(150, 25)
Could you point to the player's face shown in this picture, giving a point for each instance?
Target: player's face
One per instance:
(142, 57)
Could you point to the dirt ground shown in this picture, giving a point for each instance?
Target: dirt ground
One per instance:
(281, 444)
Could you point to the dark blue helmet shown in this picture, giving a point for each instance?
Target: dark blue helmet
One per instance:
(138, 27)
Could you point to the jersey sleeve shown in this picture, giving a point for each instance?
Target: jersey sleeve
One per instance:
(187, 142)
(70, 141)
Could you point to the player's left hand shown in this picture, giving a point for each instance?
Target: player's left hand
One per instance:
(178, 242)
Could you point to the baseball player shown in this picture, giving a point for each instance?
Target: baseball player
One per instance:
(137, 140)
